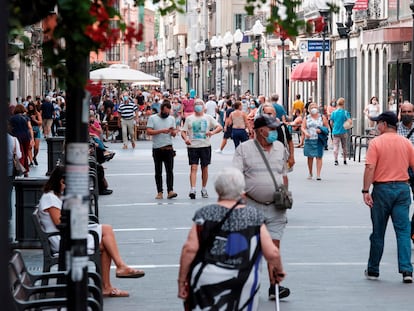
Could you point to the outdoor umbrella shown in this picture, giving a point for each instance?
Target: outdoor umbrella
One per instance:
(307, 71)
(120, 73)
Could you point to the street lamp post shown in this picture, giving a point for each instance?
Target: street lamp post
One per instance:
(171, 59)
(325, 15)
(197, 75)
(228, 41)
(284, 100)
(348, 7)
(412, 58)
(180, 54)
(200, 48)
(220, 48)
(213, 44)
(257, 32)
(188, 52)
(162, 66)
(238, 38)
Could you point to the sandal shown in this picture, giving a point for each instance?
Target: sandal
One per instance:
(130, 273)
(116, 293)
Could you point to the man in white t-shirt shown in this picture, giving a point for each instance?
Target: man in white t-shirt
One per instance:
(211, 106)
(196, 132)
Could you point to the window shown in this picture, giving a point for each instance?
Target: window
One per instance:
(113, 54)
(239, 22)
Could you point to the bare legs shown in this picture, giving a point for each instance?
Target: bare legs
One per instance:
(193, 175)
(318, 167)
(110, 252)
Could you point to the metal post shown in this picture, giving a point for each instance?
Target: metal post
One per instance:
(188, 73)
(198, 74)
(75, 205)
(228, 68)
(325, 15)
(348, 24)
(4, 212)
(284, 101)
(258, 48)
(221, 72)
(238, 70)
(179, 72)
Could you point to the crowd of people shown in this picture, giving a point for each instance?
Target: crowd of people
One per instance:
(247, 191)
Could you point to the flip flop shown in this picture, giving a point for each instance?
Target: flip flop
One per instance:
(116, 293)
(130, 273)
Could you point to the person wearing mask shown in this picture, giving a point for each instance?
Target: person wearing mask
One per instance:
(196, 133)
(225, 277)
(162, 127)
(314, 126)
(390, 196)
(127, 111)
(340, 134)
(406, 128)
(259, 187)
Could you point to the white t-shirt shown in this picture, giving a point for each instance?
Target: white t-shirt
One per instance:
(49, 200)
(197, 128)
(211, 108)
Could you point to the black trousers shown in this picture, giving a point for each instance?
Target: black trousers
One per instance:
(164, 155)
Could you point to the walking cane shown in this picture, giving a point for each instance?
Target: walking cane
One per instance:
(277, 306)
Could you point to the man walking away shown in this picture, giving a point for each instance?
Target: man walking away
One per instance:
(162, 127)
(390, 196)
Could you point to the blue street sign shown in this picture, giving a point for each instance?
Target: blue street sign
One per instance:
(317, 45)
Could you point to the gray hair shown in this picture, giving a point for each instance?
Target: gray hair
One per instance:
(230, 184)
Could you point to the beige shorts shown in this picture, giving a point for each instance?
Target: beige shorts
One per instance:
(275, 220)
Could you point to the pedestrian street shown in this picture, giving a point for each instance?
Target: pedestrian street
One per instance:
(324, 249)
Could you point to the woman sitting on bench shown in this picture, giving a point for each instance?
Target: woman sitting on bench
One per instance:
(50, 206)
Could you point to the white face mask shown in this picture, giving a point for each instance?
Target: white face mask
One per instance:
(314, 111)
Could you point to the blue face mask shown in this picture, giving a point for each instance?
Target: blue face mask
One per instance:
(125, 97)
(271, 137)
(198, 108)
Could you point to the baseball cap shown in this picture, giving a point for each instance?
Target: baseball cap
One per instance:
(266, 120)
(387, 116)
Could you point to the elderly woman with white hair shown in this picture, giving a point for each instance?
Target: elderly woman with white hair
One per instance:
(220, 261)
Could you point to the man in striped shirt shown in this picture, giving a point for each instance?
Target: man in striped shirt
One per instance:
(127, 112)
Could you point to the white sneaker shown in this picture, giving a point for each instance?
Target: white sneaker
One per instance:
(218, 151)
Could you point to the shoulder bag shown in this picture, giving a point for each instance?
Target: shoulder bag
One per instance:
(282, 196)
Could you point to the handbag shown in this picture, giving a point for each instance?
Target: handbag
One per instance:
(347, 124)
(282, 197)
(18, 168)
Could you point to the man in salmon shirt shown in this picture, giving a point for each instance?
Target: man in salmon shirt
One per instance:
(388, 157)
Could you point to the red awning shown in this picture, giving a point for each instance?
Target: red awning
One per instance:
(307, 71)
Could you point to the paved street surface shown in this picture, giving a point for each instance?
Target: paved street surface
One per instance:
(325, 247)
